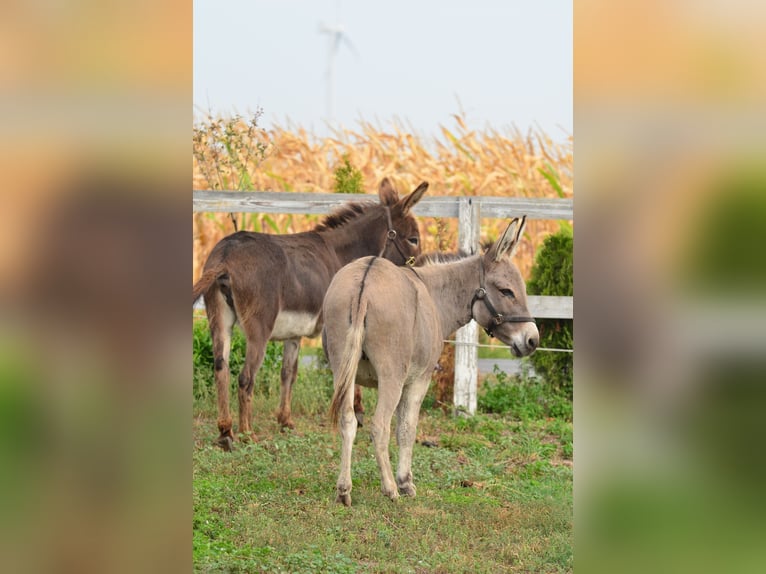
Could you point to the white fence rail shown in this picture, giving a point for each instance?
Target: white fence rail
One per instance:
(468, 211)
(321, 203)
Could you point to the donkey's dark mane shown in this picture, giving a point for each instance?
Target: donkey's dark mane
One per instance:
(344, 214)
(439, 257)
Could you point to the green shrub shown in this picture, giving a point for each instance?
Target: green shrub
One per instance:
(553, 274)
(348, 179)
(502, 394)
(524, 397)
(204, 379)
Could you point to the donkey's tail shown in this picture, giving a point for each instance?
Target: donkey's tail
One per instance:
(206, 281)
(349, 362)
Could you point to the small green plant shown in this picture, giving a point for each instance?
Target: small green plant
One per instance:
(553, 274)
(348, 179)
(524, 397)
(553, 178)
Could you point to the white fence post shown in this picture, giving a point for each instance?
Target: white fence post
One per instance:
(466, 365)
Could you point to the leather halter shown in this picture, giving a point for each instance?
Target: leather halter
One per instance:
(391, 236)
(497, 318)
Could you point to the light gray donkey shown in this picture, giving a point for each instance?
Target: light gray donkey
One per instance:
(385, 326)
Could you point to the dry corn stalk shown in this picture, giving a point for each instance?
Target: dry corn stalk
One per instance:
(233, 154)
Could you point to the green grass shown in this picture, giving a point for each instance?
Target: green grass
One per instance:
(494, 495)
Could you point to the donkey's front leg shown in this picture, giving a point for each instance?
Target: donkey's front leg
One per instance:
(289, 374)
(358, 406)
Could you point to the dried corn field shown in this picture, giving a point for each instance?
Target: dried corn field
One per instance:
(235, 154)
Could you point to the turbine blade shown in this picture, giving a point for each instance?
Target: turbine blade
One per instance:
(350, 44)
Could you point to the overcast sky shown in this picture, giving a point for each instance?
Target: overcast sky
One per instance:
(502, 62)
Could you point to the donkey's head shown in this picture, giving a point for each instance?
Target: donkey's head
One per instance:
(403, 240)
(500, 303)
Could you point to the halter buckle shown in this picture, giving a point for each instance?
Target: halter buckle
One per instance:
(498, 319)
(391, 234)
(480, 293)
(410, 261)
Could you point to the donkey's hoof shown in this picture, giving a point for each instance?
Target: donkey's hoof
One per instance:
(285, 422)
(407, 489)
(393, 494)
(359, 419)
(344, 499)
(225, 442)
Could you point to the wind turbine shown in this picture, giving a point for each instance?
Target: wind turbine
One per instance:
(336, 33)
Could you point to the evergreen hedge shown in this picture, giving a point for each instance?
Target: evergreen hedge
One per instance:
(553, 274)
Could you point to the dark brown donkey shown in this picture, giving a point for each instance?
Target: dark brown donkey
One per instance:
(274, 285)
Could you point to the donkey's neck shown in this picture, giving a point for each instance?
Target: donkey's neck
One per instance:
(357, 238)
(452, 286)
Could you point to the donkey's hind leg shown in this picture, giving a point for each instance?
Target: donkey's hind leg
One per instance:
(348, 425)
(257, 338)
(407, 414)
(221, 320)
(289, 374)
(389, 391)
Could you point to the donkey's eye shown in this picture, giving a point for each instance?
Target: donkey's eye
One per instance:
(507, 293)
(414, 241)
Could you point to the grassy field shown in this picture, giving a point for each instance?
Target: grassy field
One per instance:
(494, 490)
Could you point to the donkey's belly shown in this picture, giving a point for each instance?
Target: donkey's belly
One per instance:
(290, 324)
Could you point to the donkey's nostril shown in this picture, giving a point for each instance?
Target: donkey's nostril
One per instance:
(532, 342)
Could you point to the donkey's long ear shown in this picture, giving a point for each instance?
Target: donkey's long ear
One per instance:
(387, 193)
(507, 244)
(409, 202)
